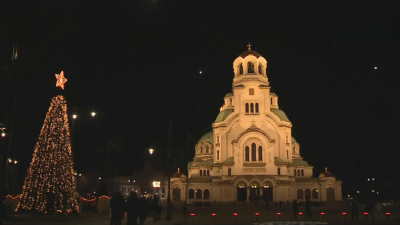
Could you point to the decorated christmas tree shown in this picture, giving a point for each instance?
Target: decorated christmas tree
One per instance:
(50, 183)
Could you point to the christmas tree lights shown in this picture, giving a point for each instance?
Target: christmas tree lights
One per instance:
(51, 172)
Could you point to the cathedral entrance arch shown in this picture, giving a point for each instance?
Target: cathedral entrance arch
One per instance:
(241, 191)
(176, 193)
(268, 191)
(330, 193)
(254, 190)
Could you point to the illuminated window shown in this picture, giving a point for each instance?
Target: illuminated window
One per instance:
(247, 154)
(260, 154)
(247, 107)
(250, 67)
(256, 107)
(217, 155)
(253, 152)
(229, 172)
(251, 91)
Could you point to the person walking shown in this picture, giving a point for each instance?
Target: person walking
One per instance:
(132, 208)
(295, 209)
(142, 210)
(185, 211)
(308, 208)
(117, 205)
(354, 210)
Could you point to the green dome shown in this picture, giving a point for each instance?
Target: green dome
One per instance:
(223, 114)
(229, 94)
(293, 140)
(280, 114)
(209, 137)
(273, 94)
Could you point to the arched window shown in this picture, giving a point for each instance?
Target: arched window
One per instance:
(206, 194)
(298, 172)
(279, 171)
(251, 108)
(253, 152)
(207, 149)
(217, 155)
(294, 172)
(287, 154)
(204, 173)
(240, 69)
(201, 150)
(201, 172)
(315, 194)
(256, 107)
(302, 173)
(272, 101)
(308, 194)
(294, 150)
(198, 194)
(260, 154)
(230, 101)
(229, 172)
(247, 107)
(260, 69)
(299, 194)
(250, 67)
(208, 173)
(191, 194)
(247, 154)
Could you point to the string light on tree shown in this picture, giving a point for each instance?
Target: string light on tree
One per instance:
(52, 166)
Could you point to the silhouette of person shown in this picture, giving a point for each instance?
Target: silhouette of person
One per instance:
(132, 208)
(354, 210)
(117, 205)
(295, 208)
(308, 208)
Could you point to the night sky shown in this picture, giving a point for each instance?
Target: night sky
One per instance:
(137, 64)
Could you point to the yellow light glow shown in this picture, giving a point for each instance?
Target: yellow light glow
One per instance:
(151, 151)
(10, 160)
(74, 116)
(3, 134)
(15, 161)
(156, 184)
(93, 114)
(61, 80)
(99, 178)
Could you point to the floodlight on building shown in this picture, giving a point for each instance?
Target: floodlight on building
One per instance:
(156, 184)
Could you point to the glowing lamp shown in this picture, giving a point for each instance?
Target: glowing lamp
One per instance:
(93, 114)
(257, 214)
(3, 134)
(344, 213)
(156, 184)
(358, 192)
(235, 214)
(368, 179)
(373, 190)
(322, 213)
(300, 213)
(15, 161)
(99, 178)
(316, 190)
(372, 179)
(151, 151)
(200, 72)
(348, 195)
(213, 214)
(80, 174)
(278, 213)
(10, 160)
(387, 213)
(365, 213)
(375, 67)
(192, 214)
(74, 116)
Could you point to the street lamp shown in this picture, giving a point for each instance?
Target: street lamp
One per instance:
(151, 151)
(3, 133)
(93, 114)
(74, 116)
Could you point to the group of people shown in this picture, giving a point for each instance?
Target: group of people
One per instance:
(135, 208)
(370, 208)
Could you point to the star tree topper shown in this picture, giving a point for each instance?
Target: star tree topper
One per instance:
(61, 80)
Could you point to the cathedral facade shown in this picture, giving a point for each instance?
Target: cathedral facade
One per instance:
(250, 153)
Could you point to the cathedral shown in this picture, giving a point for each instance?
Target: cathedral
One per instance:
(250, 152)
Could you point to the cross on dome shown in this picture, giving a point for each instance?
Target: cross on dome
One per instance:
(178, 170)
(249, 46)
(326, 169)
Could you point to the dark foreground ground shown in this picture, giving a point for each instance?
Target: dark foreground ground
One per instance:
(225, 215)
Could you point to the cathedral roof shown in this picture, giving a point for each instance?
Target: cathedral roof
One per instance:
(229, 160)
(209, 137)
(278, 160)
(223, 114)
(178, 174)
(273, 94)
(299, 162)
(280, 114)
(293, 140)
(249, 52)
(326, 174)
(229, 94)
(207, 162)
